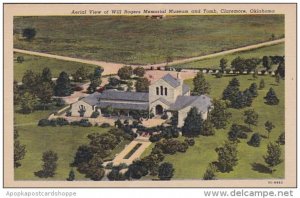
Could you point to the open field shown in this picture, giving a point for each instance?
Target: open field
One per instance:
(37, 64)
(193, 163)
(62, 140)
(138, 40)
(274, 50)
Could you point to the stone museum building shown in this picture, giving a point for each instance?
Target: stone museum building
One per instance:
(166, 95)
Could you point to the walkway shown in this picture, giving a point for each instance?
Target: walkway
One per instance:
(139, 140)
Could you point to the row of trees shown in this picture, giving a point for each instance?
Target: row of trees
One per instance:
(241, 64)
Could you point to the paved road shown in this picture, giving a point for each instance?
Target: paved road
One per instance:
(112, 68)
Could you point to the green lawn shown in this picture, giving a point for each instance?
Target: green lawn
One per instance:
(138, 40)
(62, 140)
(214, 62)
(37, 64)
(193, 163)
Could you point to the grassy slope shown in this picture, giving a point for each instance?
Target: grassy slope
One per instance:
(63, 140)
(37, 64)
(256, 53)
(137, 40)
(193, 163)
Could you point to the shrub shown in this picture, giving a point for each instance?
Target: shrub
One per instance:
(219, 75)
(182, 147)
(59, 102)
(155, 138)
(68, 113)
(61, 121)
(95, 114)
(123, 166)
(109, 165)
(164, 117)
(44, 122)
(190, 141)
(105, 125)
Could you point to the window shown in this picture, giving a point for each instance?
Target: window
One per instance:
(161, 90)
(157, 90)
(166, 91)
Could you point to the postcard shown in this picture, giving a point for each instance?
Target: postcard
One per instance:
(149, 95)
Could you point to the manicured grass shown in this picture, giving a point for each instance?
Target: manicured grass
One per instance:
(62, 140)
(274, 50)
(37, 64)
(138, 40)
(193, 163)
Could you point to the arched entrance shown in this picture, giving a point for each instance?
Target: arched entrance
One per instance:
(159, 110)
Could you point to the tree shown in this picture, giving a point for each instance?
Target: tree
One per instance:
(29, 33)
(95, 79)
(129, 85)
(125, 72)
(236, 132)
(17, 96)
(266, 61)
(46, 76)
(271, 97)
(49, 166)
(81, 74)
(192, 123)
(253, 89)
(44, 92)
(210, 173)
(115, 175)
(29, 81)
(223, 64)
(281, 139)
(165, 171)
(137, 169)
(251, 117)
(207, 128)
(19, 150)
(20, 59)
(28, 102)
(272, 158)
(281, 69)
(201, 86)
(238, 64)
(63, 85)
(227, 156)
(71, 175)
(219, 115)
(255, 140)
(139, 71)
(269, 127)
(231, 90)
(251, 64)
(261, 84)
(95, 170)
(142, 85)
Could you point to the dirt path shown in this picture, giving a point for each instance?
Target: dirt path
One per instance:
(112, 68)
(109, 68)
